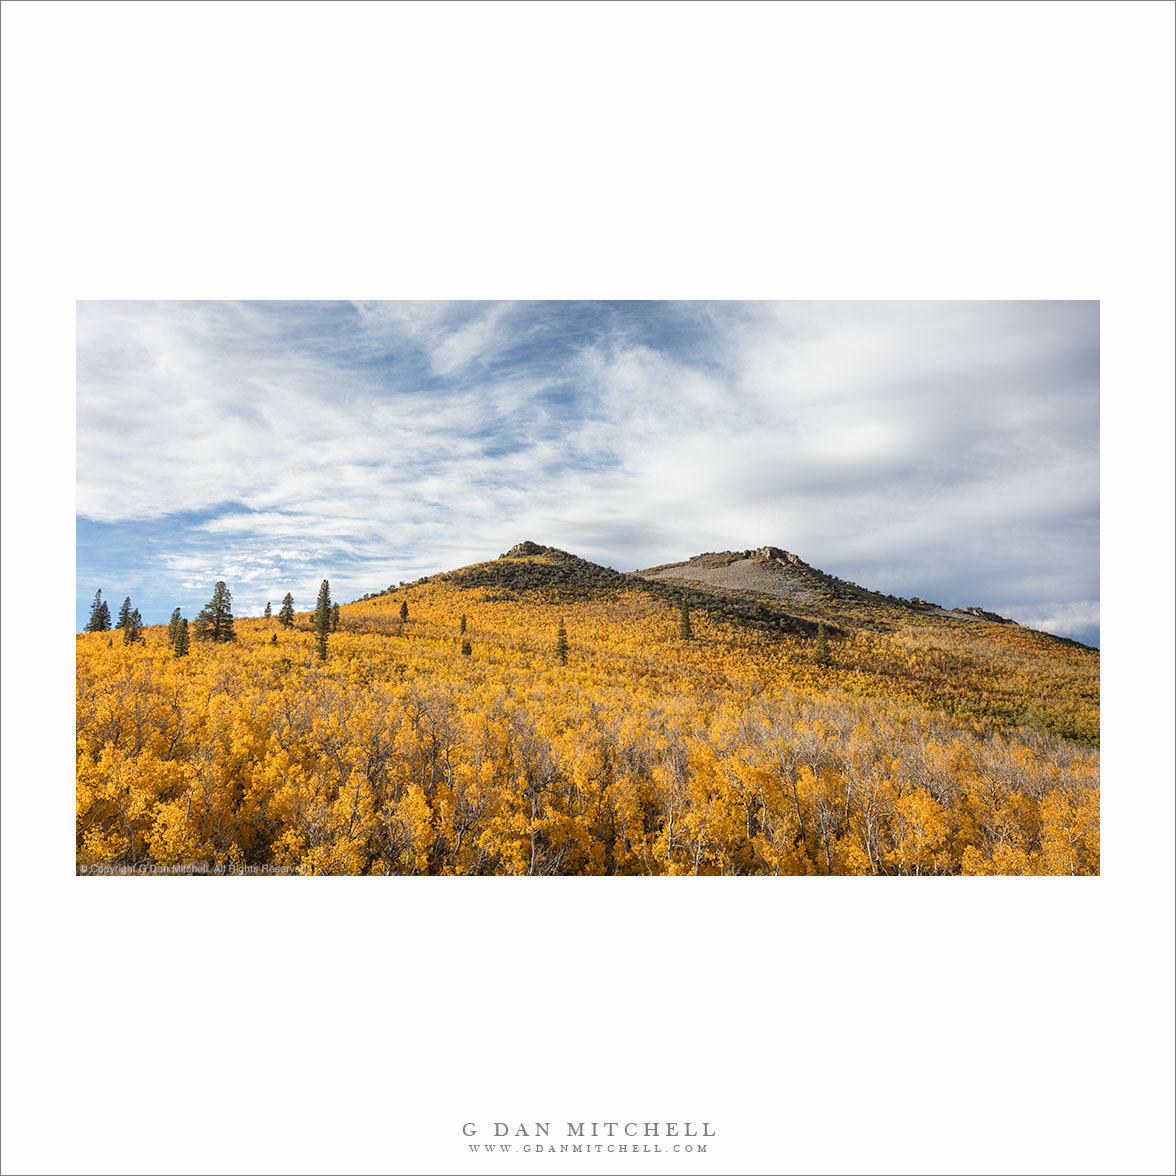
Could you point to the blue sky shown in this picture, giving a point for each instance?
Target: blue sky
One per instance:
(948, 450)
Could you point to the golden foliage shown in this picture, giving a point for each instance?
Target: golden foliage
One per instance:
(924, 751)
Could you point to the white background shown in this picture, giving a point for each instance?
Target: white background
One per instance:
(587, 150)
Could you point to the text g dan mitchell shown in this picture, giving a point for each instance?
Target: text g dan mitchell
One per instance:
(608, 1129)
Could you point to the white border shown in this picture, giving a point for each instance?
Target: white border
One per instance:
(547, 150)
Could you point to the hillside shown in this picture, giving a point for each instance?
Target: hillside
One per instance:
(528, 566)
(770, 572)
(767, 571)
(458, 740)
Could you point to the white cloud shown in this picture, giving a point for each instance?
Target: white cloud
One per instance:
(883, 442)
(454, 336)
(1078, 619)
(479, 340)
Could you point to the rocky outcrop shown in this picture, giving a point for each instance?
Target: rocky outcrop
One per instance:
(520, 550)
(773, 553)
(985, 615)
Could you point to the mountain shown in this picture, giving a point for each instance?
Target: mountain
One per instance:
(735, 713)
(771, 572)
(530, 566)
(765, 587)
(764, 571)
(966, 662)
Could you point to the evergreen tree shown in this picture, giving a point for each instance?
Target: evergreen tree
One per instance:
(180, 644)
(561, 643)
(684, 630)
(215, 620)
(322, 618)
(334, 617)
(172, 627)
(403, 611)
(269, 611)
(466, 648)
(463, 623)
(822, 644)
(124, 615)
(99, 615)
(286, 612)
(133, 630)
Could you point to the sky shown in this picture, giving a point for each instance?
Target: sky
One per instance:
(946, 450)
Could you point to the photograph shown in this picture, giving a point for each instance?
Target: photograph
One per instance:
(588, 588)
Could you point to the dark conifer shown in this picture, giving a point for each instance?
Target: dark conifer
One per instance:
(172, 627)
(403, 611)
(561, 643)
(334, 617)
(822, 644)
(286, 612)
(269, 610)
(180, 645)
(124, 615)
(215, 620)
(99, 615)
(133, 629)
(684, 630)
(322, 618)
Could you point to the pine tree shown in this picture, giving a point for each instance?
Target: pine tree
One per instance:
(466, 648)
(684, 630)
(403, 611)
(322, 618)
(269, 610)
(172, 627)
(822, 644)
(215, 620)
(463, 623)
(99, 615)
(124, 615)
(180, 644)
(286, 612)
(133, 631)
(561, 643)
(334, 617)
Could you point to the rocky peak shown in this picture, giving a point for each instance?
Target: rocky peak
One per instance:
(773, 553)
(519, 550)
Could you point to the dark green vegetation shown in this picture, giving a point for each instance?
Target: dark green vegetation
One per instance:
(322, 618)
(215, 620)
(99, 615)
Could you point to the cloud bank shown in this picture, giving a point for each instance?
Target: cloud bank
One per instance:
(944, 449)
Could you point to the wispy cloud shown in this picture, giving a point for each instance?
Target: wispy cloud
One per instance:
(938, 448)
